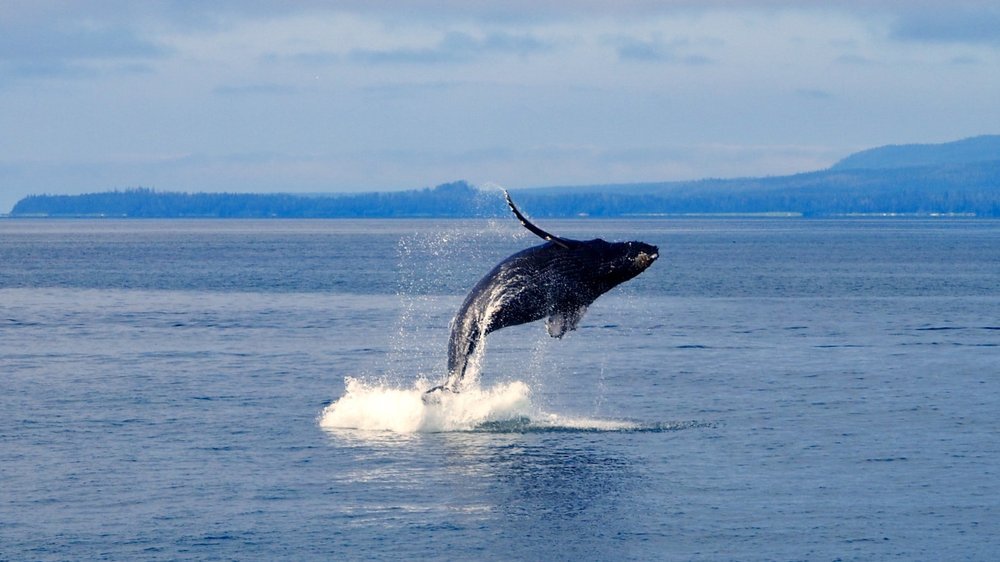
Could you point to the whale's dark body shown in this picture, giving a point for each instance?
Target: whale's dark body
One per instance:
(557, 280)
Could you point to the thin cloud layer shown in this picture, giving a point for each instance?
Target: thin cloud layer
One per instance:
(454, 47)
(960, 24)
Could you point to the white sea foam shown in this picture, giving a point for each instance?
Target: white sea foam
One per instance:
(374, 406)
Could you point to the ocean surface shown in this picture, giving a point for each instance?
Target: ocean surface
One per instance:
(770, 389)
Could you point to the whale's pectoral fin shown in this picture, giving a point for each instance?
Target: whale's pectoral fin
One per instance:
(531, 227)
(563, 321)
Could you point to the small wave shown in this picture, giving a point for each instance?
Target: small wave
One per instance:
(504, 408)
(552, 423)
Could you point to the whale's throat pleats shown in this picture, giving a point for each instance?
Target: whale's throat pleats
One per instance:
(561, 322)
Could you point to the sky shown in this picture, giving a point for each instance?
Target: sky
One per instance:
(309, 96)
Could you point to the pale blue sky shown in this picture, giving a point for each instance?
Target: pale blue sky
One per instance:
(365, 95)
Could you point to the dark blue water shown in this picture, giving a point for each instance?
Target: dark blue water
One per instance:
(770, 389)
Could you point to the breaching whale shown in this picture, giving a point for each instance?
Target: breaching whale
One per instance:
(557, 280)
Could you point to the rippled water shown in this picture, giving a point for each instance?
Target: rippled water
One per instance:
(770, 389)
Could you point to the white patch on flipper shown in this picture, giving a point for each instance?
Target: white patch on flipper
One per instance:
(561, 322)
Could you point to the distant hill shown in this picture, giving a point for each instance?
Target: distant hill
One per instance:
(966, 151)
(962, 177)
(457, 199)
(949, 189)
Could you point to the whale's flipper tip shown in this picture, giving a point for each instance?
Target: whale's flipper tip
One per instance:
(531, 226)
(433, 396)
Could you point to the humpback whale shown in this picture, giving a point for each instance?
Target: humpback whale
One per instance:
(556, 280)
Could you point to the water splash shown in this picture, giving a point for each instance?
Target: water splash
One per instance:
(378, 407)
(503, 408)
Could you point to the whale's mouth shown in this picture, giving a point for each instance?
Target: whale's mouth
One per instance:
(644, 260)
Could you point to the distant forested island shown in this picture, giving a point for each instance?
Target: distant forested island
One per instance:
(961, 177)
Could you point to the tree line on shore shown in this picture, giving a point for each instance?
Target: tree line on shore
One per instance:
(970, 189)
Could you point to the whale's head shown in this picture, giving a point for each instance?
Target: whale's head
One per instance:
(641, 255)
(621, 261)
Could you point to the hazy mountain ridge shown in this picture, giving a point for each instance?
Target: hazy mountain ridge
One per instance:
(983, 148)
(961, 177)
